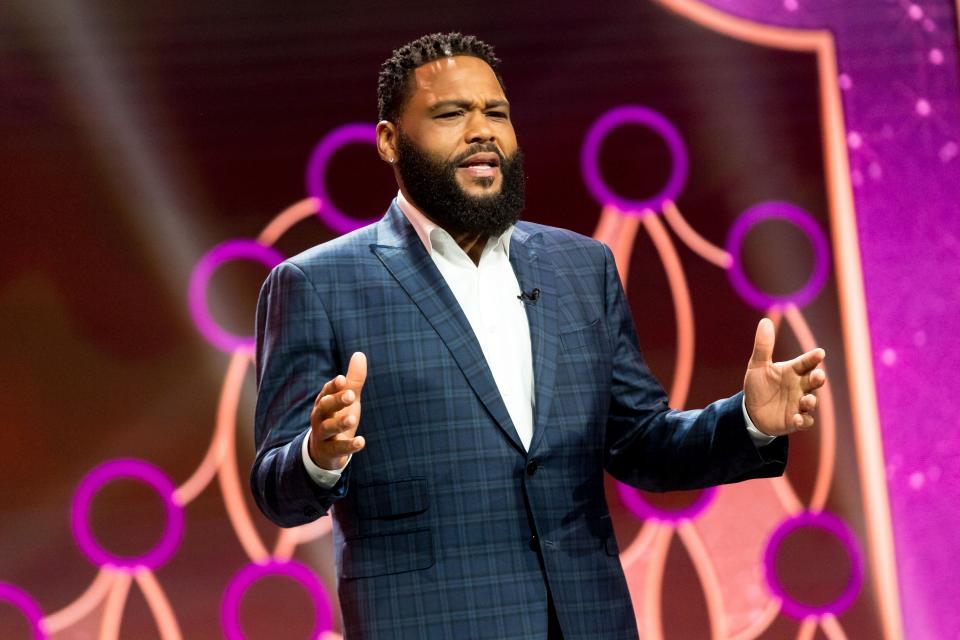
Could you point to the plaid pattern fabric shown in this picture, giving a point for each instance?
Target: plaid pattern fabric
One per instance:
(444, 527)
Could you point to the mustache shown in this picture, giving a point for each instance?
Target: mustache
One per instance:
(478, 147)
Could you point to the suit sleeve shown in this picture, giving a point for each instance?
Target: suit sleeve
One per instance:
(295, 357)
(655, 448)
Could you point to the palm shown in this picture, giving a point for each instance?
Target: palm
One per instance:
(778, 395)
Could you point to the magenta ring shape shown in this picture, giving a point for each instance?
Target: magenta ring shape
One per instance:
(136, 470)
(21, 600)
(801, 219)
(317, 173)
(590, 158)
(239, 248)
(643, 510)
(244, 579)
(834, 526)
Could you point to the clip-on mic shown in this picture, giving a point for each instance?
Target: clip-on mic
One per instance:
(529, 298)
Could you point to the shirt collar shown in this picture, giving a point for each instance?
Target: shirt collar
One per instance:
(430, 232)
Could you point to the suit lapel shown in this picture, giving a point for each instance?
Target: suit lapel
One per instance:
(405, 257)
(534, 269)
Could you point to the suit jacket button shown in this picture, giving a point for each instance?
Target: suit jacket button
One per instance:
(534, 542)
(532, 465)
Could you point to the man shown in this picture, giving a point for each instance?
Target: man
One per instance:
(504, 376)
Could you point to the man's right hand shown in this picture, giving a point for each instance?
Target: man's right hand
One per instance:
(335, 417)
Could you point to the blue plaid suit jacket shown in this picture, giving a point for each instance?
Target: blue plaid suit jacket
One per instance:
(444, 527)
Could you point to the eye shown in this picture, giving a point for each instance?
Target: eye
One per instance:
(449, 115)
(497, 114)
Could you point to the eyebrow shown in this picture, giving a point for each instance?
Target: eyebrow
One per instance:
(466, 104)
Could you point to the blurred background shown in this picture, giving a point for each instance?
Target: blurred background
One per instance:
(138, 137)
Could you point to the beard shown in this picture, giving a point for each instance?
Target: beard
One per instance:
(433, 188)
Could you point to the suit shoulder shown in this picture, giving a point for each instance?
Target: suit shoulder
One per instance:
(342, 259)
(557, 240)
(345, 248)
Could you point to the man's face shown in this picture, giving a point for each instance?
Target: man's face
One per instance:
(457, 103)
(456, 151)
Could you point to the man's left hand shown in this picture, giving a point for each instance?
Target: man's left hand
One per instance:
(779, 395)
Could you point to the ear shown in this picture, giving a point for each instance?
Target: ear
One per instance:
(387, 136)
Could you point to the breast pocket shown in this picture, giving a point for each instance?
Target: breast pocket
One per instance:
(581, 337)
(403, 545)
(582, 382)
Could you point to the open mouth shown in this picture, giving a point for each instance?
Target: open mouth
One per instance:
(481, 165)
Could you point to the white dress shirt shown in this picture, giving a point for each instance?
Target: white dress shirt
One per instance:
(488, 295)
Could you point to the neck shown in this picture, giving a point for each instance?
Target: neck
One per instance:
(472, 244)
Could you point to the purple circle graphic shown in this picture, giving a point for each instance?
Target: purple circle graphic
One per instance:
(317, 173)
(590, 155)
(775, 210)
(240, 248)
(244, 579)
(643, 510)
(127, 468)
(838, 529)
(21, 600)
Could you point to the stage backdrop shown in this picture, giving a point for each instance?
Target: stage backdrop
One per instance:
(789, 158)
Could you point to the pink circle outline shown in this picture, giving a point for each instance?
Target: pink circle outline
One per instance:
(20, 599)
(645, 117)
(237, 248)
(316, 178)
(801, 219)
(129, 468)
(838, 529)
(251, 573)
(643, 510)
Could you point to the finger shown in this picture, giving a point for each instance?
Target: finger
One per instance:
(808, 361)
(334, 402)
(802, 421)
(357, 370)
(337, 447)
(332, 386)
(329, 406)
(763, 343)
(325, 391)
(334, 426)
(808, 403)
(813, 381)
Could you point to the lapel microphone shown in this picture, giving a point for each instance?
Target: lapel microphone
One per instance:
(529, 298)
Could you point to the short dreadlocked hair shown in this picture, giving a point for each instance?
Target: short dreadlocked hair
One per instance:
(394, 83)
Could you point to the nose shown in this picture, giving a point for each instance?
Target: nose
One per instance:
(479, 129)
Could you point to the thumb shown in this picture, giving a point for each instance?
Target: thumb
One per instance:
(763, 343)
(357, 371)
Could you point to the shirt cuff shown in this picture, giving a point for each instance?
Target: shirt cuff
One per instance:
(324, 478)
(759, 438)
